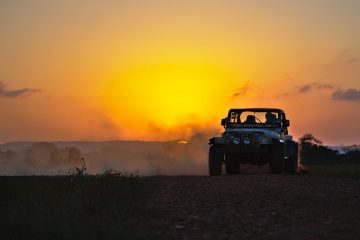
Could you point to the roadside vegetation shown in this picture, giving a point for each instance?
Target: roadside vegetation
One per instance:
(324, 161)
(113, 205)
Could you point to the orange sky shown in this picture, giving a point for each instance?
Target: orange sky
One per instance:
(157, 70)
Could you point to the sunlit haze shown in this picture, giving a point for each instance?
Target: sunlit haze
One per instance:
(164, 70)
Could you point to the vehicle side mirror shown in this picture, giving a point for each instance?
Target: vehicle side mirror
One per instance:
(223, 121)
(287, 123)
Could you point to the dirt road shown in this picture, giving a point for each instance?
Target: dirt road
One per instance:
(260, 206)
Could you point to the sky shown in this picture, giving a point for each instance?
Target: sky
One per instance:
(162, 70)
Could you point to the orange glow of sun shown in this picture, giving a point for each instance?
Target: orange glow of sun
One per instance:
(168, 93)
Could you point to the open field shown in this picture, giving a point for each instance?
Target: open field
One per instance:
(348, 170)
(84, 207)
(249, 206)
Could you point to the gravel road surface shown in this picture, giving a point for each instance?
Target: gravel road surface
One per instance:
(259, 206)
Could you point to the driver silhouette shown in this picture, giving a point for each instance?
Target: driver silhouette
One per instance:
(250, 119)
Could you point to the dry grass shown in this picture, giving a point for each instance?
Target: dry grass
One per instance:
(109, 206)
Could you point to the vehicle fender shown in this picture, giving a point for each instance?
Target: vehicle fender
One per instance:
(217, 140)
(291, 148)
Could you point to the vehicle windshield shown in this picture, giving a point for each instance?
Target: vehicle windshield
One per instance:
(255, 118)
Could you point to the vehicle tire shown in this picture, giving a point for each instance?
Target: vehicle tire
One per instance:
(277, 162)
(232, 166)
(216, 158)
(291, 165)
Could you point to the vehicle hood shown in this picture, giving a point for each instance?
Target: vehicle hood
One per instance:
(269, 133)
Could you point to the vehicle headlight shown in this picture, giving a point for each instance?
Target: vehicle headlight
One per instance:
(246, 141)
(236, 141)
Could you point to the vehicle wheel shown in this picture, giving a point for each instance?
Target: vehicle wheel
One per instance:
(277, 161)
(216, 158)
(291, 165)
(232, 166)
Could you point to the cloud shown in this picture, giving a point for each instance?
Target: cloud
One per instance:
(22, 92)
(346, 95)
(283, 95)
(318, 86)
(305, 88)
(324, 86)
(241, 91)
(352, 60)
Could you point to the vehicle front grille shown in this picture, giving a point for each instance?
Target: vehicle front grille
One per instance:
(242, 136)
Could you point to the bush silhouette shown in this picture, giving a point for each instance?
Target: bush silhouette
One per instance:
(312, 151)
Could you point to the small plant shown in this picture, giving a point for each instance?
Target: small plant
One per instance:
(78, 171)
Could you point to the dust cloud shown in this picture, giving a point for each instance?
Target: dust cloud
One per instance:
(40, 158)
(179, 157)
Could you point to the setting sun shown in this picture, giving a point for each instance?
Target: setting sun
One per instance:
(167, 94)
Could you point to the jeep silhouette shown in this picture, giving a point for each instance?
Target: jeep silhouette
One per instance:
(254, 136)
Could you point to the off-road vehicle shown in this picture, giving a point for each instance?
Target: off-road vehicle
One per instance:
(254, 136)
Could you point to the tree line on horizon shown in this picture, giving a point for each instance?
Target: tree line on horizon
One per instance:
(312, 151)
